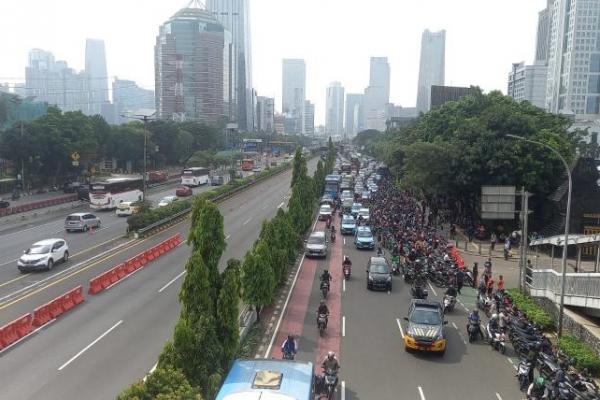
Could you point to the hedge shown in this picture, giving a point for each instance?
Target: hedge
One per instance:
(534, 312)
(584, 356)
(151, 216)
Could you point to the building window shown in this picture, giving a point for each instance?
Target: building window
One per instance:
(592, 105)
(594, 138)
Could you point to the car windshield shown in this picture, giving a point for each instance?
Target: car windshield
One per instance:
(356, 206)
(364, 212)
(365, 234)
(425, 317)
(38, 249)
(73, 218)
(325, 208)
(348, 221)
(315, 240)
(379, 269)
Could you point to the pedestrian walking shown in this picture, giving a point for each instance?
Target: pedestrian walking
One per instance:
(487, 268)
(460, 279)
(470, 233)
(475, 274)
(500, 284)
(493, 240)
(490, 286)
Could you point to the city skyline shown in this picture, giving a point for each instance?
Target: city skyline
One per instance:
(284, 37)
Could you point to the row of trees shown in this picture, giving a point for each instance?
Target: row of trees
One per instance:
(206, 337)
(451, 151)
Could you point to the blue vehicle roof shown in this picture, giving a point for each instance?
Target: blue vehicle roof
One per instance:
(296, 380)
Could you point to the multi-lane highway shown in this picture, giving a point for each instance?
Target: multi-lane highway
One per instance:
(366, 329)
(114, 338)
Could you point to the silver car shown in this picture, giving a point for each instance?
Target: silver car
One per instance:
(82, 222)
(316, 245)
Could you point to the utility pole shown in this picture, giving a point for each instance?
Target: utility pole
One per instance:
(524, 235)
(144, 119)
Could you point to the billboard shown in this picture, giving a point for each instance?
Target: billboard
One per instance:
(498, 202)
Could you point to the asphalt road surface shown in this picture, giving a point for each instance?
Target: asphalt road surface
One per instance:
(114, 338)
(364, 329)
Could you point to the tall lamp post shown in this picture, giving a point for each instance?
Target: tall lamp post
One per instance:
(144, 119)
(567, 220)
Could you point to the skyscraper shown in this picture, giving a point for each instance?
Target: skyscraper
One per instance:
(528, 83)
(377, 94)
(265, 114)
(234, 15)
(354, 114)
(432, 66)
(294, 95)
(573, 84)
(95, 69)
(193, 74)
(542, 42)
(128, 97)
(334, 112)
(309, 118)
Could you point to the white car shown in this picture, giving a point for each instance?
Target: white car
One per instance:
(43, 255)
(325, 211)
(167, 200)
(364, 213)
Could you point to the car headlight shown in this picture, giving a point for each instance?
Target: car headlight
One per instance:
(389, 278)
(439, 337)
(370, 278)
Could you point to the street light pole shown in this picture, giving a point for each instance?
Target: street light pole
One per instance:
(144, 119)
(567, 220)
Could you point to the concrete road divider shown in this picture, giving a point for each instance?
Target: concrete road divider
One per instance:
(115, 274)
(15, 330)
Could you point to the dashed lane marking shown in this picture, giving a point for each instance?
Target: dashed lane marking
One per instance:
(343, 326)
(90, 345)
(498, 396)
(421, 393)
(400, 327)
(432, 289)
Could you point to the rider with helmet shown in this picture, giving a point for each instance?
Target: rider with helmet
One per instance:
(331, 362)
(323, 310)
(290, 346)
(537, 390)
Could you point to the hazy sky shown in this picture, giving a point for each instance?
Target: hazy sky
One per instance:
(335, 37)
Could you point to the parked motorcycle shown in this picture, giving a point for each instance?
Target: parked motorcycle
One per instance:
(497, 339)
(523, 373)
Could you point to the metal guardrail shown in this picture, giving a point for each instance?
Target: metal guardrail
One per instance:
(581, 289)
(218, 198)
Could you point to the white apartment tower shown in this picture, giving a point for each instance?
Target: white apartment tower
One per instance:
(377, 94)
(334, 109)
(573, 84)
(294, 95)
(431, 67)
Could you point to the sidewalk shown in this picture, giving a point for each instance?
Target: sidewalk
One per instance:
(26, 199)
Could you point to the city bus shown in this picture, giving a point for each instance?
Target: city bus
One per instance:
(332, 185)
(268, 379)
(247, 164)
(109, 193)
(194, 176)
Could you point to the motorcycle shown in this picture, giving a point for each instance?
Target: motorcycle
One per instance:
(419, 292)
(347, 271)
(473, 330)
(288, 355)
(523, 373)
(322, 323)
(497, 339)
(332, 236)
(324, 288)
(395, 266)
(329, 383)
(449, 303)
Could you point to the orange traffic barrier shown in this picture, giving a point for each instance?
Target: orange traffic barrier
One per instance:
(129, 266)
(105, 280)
(24, 325)
(41, 315)
(120, 270)
(112, 275)
(77, 295)
(156, 251)
(149, 254)
(143, 258)
(56, 308)
(162, 248)
(15, 330)
(95, 285)
(67, 301)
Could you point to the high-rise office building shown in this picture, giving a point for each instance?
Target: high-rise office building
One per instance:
(443, 94)
(573, 84)
(193, 73)
(334, 109)
(377, 94)
(431, 67)
(95, 69)
(54, 82)
(528, 83)
(128, 98)
(542, 42)
(354, 114)
(265, 114)
(309, 118)
(234, 15)
(294, 95)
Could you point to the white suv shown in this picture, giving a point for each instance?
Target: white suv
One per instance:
(43, 255)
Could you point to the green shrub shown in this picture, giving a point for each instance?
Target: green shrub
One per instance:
(534, 312)
(584, 356)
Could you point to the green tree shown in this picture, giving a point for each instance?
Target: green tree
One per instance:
(163, 383)
(299, 168)
(228, 311)
(258, 279)
(207, 237)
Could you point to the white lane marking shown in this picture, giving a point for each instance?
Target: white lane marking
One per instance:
(9, 262)
(498, 396)
(400, 327)
(246, 221)
(28, 229)
(432, 289)
(344, 285)
(16, 292)
(171, 281)
(512, 363)
(150, 372)
(454, 325)
(344, 240)
(281, 204)
(284, 308)
(344, 326)
(90, 345)
(227, 237)
(343, 390)
(421, 393)
(26, 336)
(315, 224)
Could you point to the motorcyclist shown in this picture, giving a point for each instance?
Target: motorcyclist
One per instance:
(290, 346)
(326, 277)
(474, 319)
(537, 390)
(346, 262)
(451, 291)
(494, 323)
(331, 362)
(323, 310)
(379, 251)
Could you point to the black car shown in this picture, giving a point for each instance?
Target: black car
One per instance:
(379, 275)
(4, 203)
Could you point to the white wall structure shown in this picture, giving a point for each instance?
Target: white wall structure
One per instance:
(432, 66)
(334, 109)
